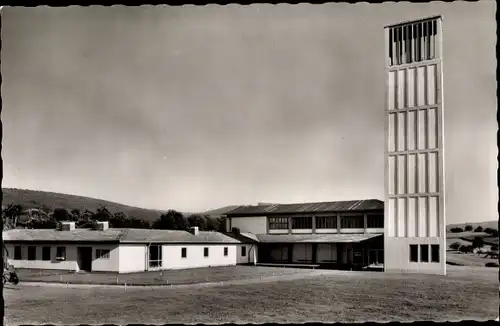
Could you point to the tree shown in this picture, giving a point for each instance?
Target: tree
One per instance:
(478, 242)
(478, 229)
(211, 223)
(136, 223)
(12, 213)
(456, 230)
(102, 214)
(468, 228)
(118, 220)
(491, 232)
(62, 214)
(76, 213)
(466, 249)
(197, 220)
(455, 245)
(172, 220)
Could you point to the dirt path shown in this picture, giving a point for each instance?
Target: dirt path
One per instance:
(262, 279)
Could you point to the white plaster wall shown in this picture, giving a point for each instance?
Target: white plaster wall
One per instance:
(255, 225)
(172, 258)
(71, 262)
(302, 231)
(278, 231)
(251, 254)
(397, 256)
(326, 230)
(132, 258)
(362, 230)
(103, 264)
(375, 230)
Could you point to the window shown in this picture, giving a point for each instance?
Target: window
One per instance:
(435, 253)
(326, 222)
(353, 222)
(375, 221)
(424, 253)
(102, 253)
(243, 251)
(302, 222)
(155, 256)
(205, 252)
(225, 251)
(31, 253)
(46, 253)
(412, 42)
(414, 253)
(183, 252)
(61, 253)
(17, 253)
(278, 223)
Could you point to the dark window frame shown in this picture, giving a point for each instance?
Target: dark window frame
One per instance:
(46, 256)
(32, 253)
(352, 222)
(424, 253)
(226, 251)
(326, 222)
(375, 221)
(301, 222)
(278, 223)
(184, 252)
(157, 253)
(414, 253)
(18, 252)
(102, 254)
(435, 253)
(206, 252)
(243, 251)
(61, 253)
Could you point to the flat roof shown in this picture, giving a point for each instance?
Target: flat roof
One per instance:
(305, 208)
(115, 235)
(316, 238)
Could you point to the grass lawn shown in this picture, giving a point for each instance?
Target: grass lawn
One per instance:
(463, 259)
(466, 293)
(187, 276)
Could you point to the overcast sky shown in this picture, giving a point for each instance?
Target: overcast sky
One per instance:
(194, 108)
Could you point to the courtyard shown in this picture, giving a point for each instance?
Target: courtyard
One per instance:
(466, 293)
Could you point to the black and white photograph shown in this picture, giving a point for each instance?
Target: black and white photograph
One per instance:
(259, 163)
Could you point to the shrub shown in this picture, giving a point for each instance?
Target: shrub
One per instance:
(491, 264)
(455, 245)
(468, 228)
(466, 249)
(492, 232)
(456, 230)
(478, 242)
(478, 229)
(494, 248)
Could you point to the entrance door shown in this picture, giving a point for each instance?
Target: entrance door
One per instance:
(85, 258)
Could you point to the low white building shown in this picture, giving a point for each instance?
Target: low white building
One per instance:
(119, 250)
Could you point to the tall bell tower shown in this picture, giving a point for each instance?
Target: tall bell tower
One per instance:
(415, 215)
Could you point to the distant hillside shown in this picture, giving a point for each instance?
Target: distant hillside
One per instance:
(484, 225)
(51, 200)
(220, 211)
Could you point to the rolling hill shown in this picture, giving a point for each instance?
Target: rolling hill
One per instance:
(484, 225)
(51, 200)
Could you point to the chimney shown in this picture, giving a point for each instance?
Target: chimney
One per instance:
(236, 231)
(194, 230)
(67, 226)
(102, 226)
